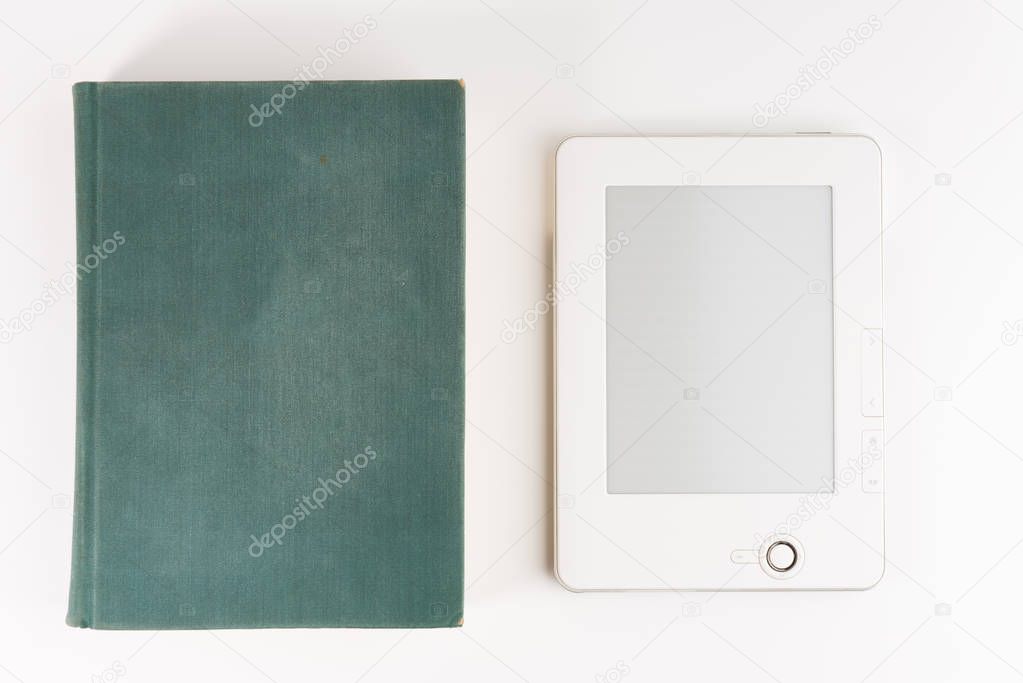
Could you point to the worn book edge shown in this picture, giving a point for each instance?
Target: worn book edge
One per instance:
(82, 599)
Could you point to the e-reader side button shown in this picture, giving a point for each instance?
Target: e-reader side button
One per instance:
(872, 461)
(871, 352)
(744, 557)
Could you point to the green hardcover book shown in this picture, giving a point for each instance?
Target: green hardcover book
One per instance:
(270, 355)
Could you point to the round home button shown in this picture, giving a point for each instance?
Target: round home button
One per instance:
(781, 556)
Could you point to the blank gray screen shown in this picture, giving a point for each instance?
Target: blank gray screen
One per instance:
(720, 339)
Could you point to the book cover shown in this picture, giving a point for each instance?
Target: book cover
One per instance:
(270, 354)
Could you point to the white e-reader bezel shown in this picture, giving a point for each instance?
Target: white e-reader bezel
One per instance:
(719, 541)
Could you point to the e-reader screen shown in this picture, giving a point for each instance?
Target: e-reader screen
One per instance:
(720, 339)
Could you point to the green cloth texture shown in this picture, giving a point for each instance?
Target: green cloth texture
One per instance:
(270, 390)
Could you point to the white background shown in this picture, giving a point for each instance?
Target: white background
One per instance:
(938, 86)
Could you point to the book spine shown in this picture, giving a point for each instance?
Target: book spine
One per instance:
(83, 554)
